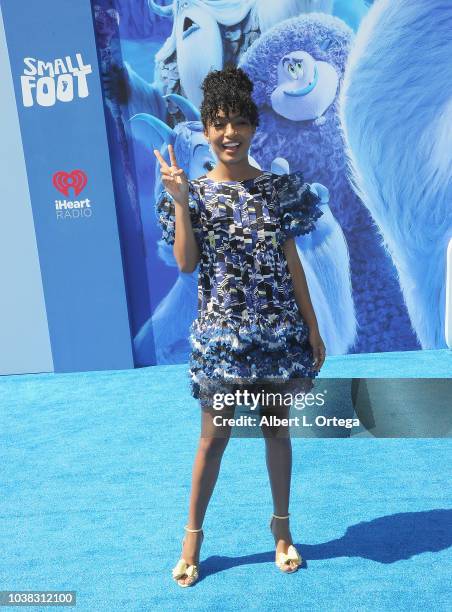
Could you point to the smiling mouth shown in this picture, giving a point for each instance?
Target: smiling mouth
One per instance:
(302, 91)
(231, 146)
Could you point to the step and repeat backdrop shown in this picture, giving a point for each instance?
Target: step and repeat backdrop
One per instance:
(89, 89)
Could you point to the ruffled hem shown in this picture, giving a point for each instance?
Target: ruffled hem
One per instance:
(227, 331)
(298, 205)
(165, 211)
(224, 354)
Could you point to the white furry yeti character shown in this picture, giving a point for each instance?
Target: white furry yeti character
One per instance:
(396, 108)
(297, 68)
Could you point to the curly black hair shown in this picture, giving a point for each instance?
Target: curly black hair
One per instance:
(228, 90)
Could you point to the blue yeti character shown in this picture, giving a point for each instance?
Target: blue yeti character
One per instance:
(297, 68)
(396, 112)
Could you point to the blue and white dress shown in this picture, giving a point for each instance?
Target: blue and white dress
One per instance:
(248, 327)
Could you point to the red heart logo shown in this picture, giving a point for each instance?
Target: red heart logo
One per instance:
(76, 179)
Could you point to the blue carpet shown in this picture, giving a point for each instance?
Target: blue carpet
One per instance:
(96, 478)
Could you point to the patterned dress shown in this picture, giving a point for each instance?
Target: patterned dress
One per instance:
(249, 327)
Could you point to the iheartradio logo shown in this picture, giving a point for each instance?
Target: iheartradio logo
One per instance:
(76, 179)
(71, 209)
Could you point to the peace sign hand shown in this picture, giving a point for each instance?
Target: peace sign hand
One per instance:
(173, 177)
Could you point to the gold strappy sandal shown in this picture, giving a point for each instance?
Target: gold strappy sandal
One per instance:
(283, 559)
(183, 569)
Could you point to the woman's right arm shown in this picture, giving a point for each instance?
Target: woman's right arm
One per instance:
(185, 249)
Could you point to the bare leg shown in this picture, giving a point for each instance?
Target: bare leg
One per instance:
(278, 455)
(206, 467)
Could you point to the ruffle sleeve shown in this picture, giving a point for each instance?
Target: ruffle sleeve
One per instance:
(298, 205)
(165, 211)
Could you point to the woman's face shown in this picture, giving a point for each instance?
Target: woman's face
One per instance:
(230, 137)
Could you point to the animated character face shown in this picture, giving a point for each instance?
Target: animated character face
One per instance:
(197, 37)
(199, 48)
(306, 87)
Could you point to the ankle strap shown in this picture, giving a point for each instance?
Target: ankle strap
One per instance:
(192, 530)
(281, 517)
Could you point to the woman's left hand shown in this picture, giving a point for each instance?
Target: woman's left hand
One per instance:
(318, 348)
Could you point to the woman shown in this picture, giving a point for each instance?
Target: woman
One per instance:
(256, 325)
